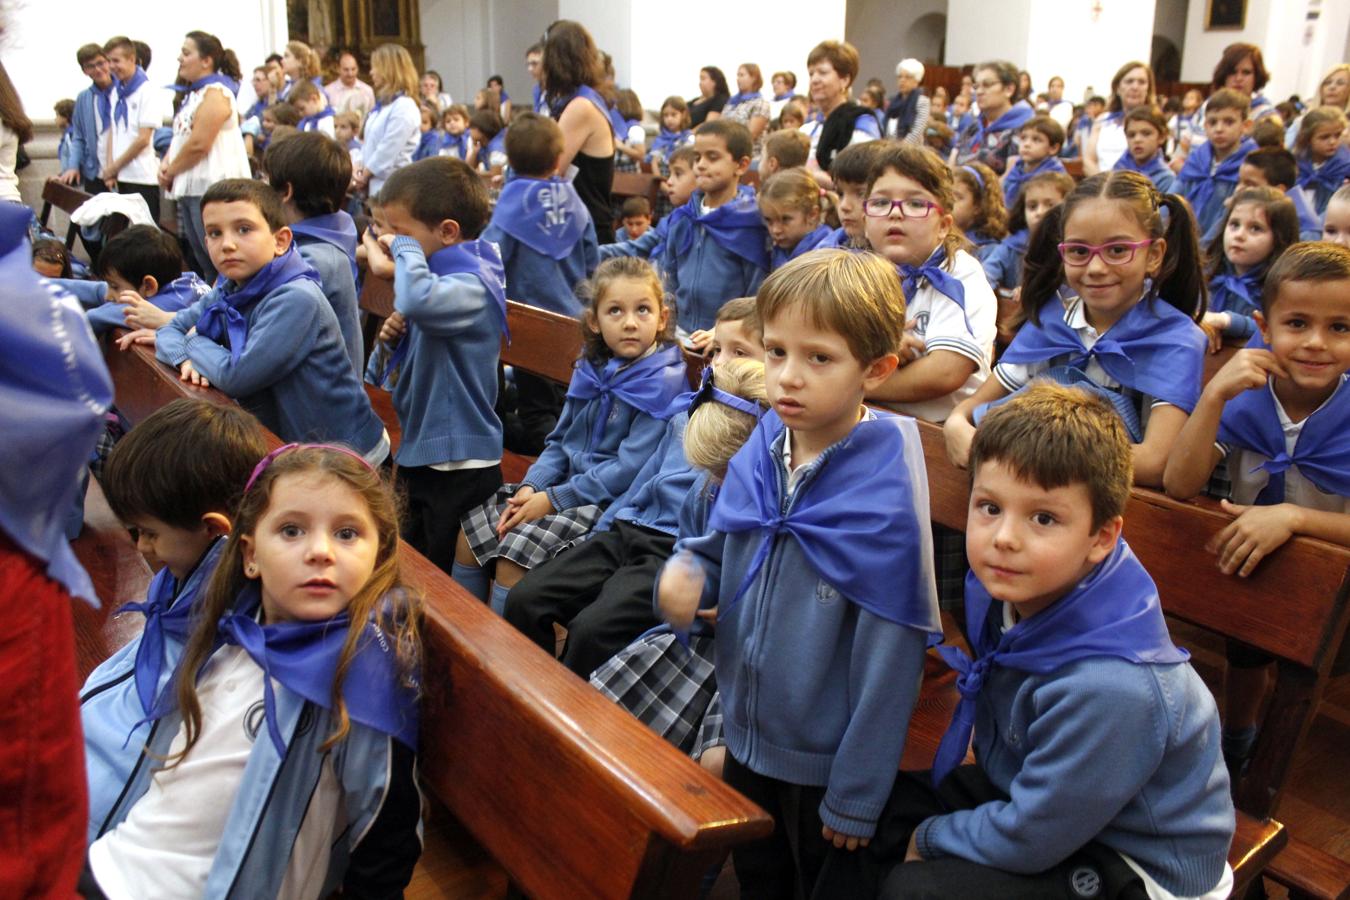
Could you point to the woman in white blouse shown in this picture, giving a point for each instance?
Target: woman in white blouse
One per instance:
(394, 127)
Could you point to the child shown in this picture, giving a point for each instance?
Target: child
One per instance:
(948, 303)
(822, 618)
(1323, 161)
(850, 171)
(430, 140)
(311, 174)
(784, 150)
(1039, 195)
(1146, 135)
(1260, 225)
(794, 114)
(978, 209)
(143, 284)
(130, 166)
(316, 113)
(636, 218)
(791, 204)
(489, 142)
(736, 335)
(306, 617)
(674, 131)
(1276, 167)
(678, 188)
(1336, 229)
(346, 128)
(1138, 284)
(1210, 173)
(598, 444)
(1277, 412)
(275, 116)
(455, 140)
(66, 150)
(266, 335)
(1076, 781)
(630, 145)
(1038, 146)
(717, 248)
(172, 481)
(441, 346)
(51, 259)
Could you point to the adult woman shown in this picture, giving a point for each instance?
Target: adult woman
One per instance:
(433, 90)
(394, 127)
(207, 144)
(1132, 86)
(1024, 88)
(298, 61)
(1334, 90)
(15, 129)
(907, 114)
(1242, 68)
(713, 96)
(572, 81)
(989, 137)
(748, 105)
(784, 89)
(832, 67)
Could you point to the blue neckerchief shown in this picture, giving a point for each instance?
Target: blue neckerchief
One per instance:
(545, 214)
(311, 123)
(556, 105)
(839, 238)
(124, 90)
(256, 110)
(1015, 117)
(1327, 177)
(338, 229)
(168, 609)
(479, 258)
(857, 527)
(708, 392)
(1113, 612)
(648, 384)
(1308, 219)
(662, 229)
(736, 226)
(1018, 175)
(778, 98)
(458, 143)
(1322, 451)
(819, 237)
(380, 104)
(104, 100)
(224, 315)
(54, 393)
(213, 78)
(1017, 241)
(1155, 166)
(504, 95)
(666, 141)
(1233, 293)
(180, 293)
(1114, 118)
(945, 283)
(537, 99)
(1200, 183)
(1154, 348)
(741, 97)
(427, 146)
(303, 656)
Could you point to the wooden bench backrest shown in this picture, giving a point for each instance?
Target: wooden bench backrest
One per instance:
(572, 795)
(636, 184)
(65, 198)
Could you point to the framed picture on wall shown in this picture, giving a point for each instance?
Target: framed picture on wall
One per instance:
(1225, 15)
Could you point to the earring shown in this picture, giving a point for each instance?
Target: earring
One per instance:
(250, 570)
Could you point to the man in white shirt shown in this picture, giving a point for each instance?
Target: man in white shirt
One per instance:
(349, 93)
(128, 162)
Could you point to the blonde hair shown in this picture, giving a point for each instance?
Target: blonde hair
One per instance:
(1339, 67)
(397, 72)
(716, 431)
(310, 64)
(795, 189)
(855, 295)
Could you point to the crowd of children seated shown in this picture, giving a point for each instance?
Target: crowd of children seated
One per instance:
(748, 566)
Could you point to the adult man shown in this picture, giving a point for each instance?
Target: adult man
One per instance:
(349, 92)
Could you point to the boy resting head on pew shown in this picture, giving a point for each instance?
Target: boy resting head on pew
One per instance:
(173, 481)
(1096, 743)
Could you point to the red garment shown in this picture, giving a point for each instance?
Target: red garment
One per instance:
(43, 795)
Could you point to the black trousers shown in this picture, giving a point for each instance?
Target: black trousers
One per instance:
(786, 864)
(437, 501)
(601, 589)
(1094, 872)
(149, 191)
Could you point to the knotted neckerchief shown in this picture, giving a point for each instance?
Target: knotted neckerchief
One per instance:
(903, 108)
(1019, 175)
(666, 141)
(1200, 183)
(1241, 294)
(103, 98)
(736, 226)
(213, 78)
(648, 384)
(944, 282)
(311, 123)
(124, 90)
(1155, 166)
(225, 314)
(1013, 117)
(820, 236)
(1329, 176)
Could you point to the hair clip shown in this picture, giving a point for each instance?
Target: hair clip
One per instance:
(286, 448)
(707, 391)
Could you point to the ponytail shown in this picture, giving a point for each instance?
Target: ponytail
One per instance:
(1181, 280)
(1042, 268)
(224, 61)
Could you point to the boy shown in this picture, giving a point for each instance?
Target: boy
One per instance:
(1038, 146)
(1285, 399)
(822, 619)
(717, 248)
(266, 335)
(346, 127)
(783, 150)
(1095, 742)
(312, 104)
(172, 481)
(1210, 173)
(129, 164)
(65, 150)
(443, 343)
(636, 215)
(1146, 134)
(678, 188)
(455, 123)
(489, 143)
(1336, 227)
(311, 173)
(1276, 167)
(850, 170)
(736, 334)
(93, 111)
(143, 284)
(1082, 129)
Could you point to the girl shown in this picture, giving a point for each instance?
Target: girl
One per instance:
(300, 63)
(978, 208)
(631, 146)
(1261, 224)
(671, 689)
(1038, 196)
(1323, 161)
(1138, 285)
(791, 202)
(296, 696)
(1336, 225)
(611, 422)
(674, 131)
(429, 139)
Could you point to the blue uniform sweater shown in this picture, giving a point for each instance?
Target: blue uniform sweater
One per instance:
(540, 280)
(660, 487)
(339, 286)
(293, 372)
(706, 276)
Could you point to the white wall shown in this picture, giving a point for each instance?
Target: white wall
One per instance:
(882, 30)
(39, 52)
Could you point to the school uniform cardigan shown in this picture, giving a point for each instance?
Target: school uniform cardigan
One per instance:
(339, 286)
(660, 487)
(706, 275)
(85, 137)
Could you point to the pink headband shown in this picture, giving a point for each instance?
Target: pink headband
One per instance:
(286, 448)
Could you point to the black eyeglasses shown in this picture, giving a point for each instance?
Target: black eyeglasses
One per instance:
(910, 207)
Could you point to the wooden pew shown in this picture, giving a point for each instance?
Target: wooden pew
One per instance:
(570, 794)
(635, 184)
(65, 198)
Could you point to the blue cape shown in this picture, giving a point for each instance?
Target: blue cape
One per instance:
(1018, 175)
(311, 123)
(224, 315)
(1200, 183)
(856, 519)
(338, 229)
(650, 384)
(545, 214)
(1113, 612)
(821, 236)
(1329, 176)
(1155, 166)
(736, 226)
(1239, 294)
(944, 282)
(124, 90)
(1017, 115)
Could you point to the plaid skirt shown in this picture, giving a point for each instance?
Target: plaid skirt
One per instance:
(949, 551)
(529, 544)
(668, 687)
